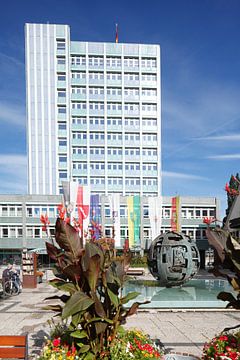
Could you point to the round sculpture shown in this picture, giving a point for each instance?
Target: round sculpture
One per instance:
(173, 259)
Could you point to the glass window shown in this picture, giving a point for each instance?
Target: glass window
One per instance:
(29, 212)
(5, 232)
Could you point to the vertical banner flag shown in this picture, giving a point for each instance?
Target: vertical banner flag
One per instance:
(155, 215)
(175, 226)
(130, 221)
(136, 210)
(95, 215)
(83, 205)
(133, 220)
(70, 189)
(114, 202)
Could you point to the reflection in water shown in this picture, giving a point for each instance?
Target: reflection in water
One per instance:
(195, 294)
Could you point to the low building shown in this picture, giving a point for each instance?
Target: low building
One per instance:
(20, 226)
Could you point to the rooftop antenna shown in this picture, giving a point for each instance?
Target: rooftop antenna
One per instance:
(116, 37)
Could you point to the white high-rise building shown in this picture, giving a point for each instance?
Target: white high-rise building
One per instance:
(93, 113)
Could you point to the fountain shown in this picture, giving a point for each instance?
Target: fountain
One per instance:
(173, 259)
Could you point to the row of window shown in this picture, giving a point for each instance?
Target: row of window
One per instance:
(31, 211)
(109, 91)
(133, 122)
(113, 76)
(135, 107)
(111, 166)
(111, 151)
(114, 136)
(111, 61)
(131, 107)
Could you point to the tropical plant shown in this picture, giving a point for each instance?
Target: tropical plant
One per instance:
(90, 278)
(227, 256)
(224, 346)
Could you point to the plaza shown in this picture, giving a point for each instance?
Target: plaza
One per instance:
(179, 330)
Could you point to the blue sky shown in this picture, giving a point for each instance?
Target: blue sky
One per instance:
(200, 60)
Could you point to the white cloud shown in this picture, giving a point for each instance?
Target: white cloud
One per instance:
(13, 174)
(229, 137)
(7, 58)
(177, 175)
(12, 113)
(224, 157)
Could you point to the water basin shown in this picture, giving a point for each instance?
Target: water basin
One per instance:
(195, 294)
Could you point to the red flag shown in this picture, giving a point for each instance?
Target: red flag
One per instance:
(116, 38)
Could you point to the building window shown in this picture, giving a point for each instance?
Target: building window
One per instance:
(4, 211)
(61, 60)
(61, 77)
(5, 232)
(62, 109)
(62, 93)
(29, 212)
(61, 44)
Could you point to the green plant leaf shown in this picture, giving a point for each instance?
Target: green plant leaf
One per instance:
(113, 297)
(78, 302)
(68, 239)
(80, 334)
(57, 308)
(100, 327)
(84, 349)
(90, 356)
(130, 296)
(63, 285)
(77, 318)
(63, 298)
(93, 271)
(98, 306)
(53, 251)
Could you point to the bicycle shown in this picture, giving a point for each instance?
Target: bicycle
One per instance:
(11, 286)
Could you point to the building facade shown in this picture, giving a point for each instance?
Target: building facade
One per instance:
(93, 113)
(20, 225)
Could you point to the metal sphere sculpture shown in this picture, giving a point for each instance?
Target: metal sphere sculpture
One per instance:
(173, 259)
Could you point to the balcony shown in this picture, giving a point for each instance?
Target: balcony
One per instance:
(61, 51)
(78, 96)
(115, 188)
(78, 81)
(134, 173)
(150, 158)
(114, 112)
(79, 157)
(114, 128)
(79, 127)
(115, 158)
(78, 112)
(79, 142)
(114, 82)
(114, 143)
(78, 67)
(62, 133)
(79, 172)
(117, 172)
(96, 81)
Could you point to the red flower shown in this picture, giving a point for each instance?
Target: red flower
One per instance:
(209, 220)
(56, 342)
(227, 188)
(44, 219)
(61, 211)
